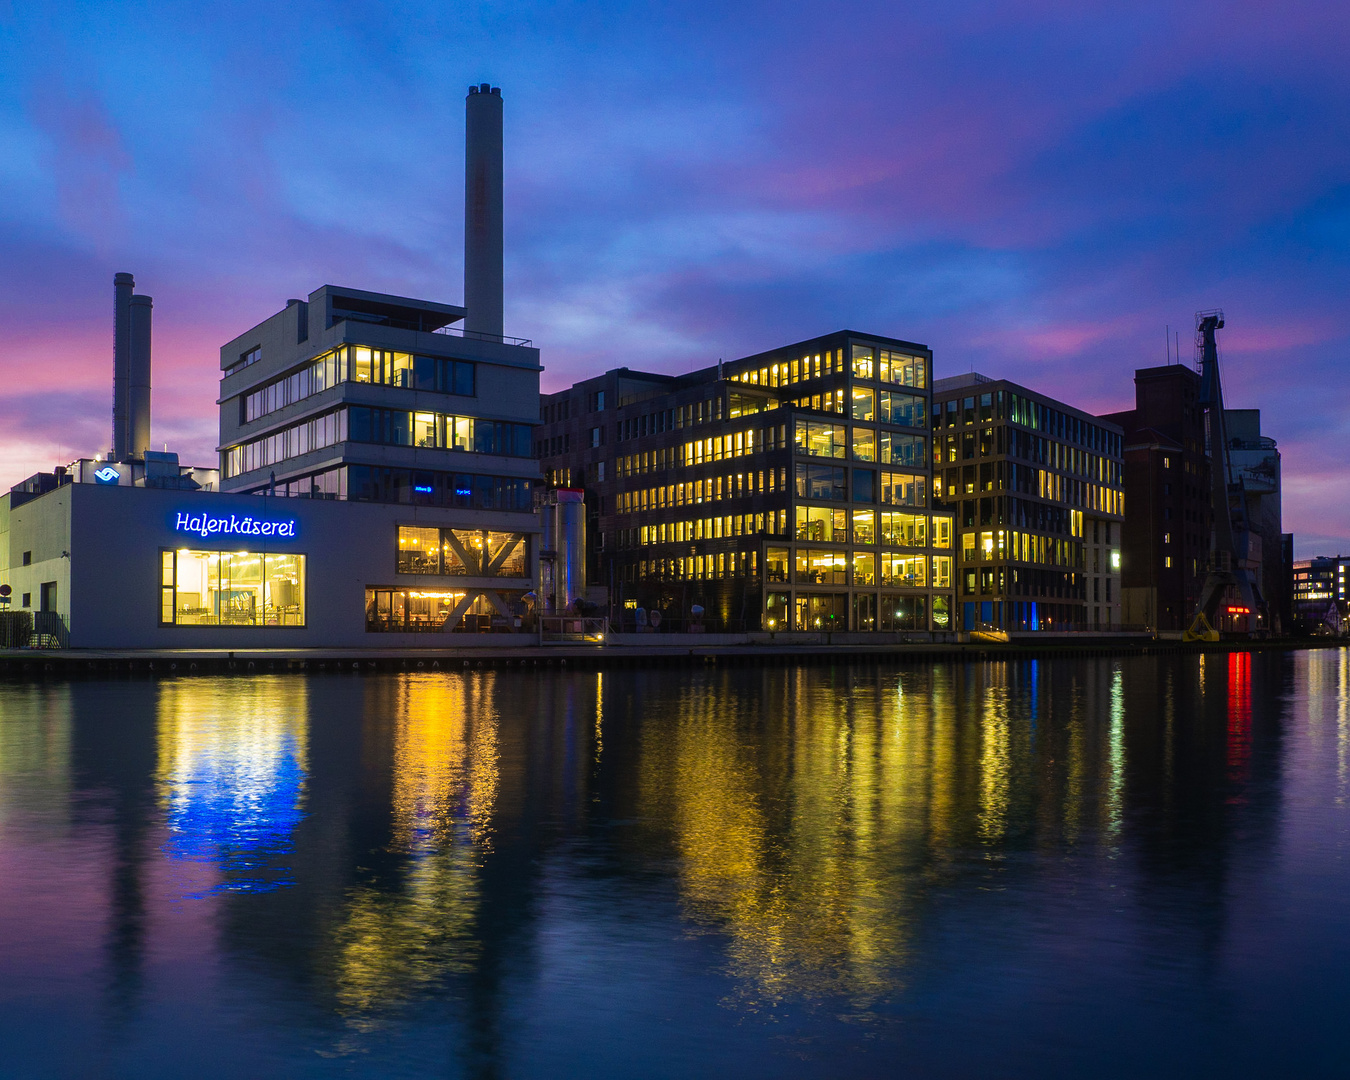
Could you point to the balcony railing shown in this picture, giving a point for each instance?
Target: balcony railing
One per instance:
(451, 331)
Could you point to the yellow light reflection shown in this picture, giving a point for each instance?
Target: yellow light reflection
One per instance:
(394, 941)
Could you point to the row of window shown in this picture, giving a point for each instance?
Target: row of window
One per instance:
(358, 364)
(866, 362)
(708, 489)
(1011, 545)
(246, 359)
(722, 527)
(462, 552)
(289, 442)
(819, 439)
(421, 487)
(892, 529)
(1006, 405)
(392, 427)
(825, 566)
(812, 481)
(830, 612)
(995, 442)
(1054, 487)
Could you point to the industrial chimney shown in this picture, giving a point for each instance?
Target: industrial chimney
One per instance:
(131, 370)
(483, 211)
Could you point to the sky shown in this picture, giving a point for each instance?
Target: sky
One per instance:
(1035, 190)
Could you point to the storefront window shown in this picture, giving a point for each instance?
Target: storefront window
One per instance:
(231, 588)
(462, 552)
(505, 555)
(418, 550)
(412, 611)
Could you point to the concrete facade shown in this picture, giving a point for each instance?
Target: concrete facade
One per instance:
(1036, 486)
(102, 549)
(278, 358)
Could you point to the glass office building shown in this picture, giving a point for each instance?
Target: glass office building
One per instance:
(784, 491)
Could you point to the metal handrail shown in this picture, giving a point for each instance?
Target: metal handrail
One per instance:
(452, 331)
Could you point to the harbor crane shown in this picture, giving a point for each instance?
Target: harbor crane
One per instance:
(1227, 582)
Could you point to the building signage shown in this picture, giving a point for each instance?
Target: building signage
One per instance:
(107, 475)
(205, 525)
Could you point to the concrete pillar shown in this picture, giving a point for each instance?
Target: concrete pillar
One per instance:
(483, 211)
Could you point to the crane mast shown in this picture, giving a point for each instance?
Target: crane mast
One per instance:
(1225, 572)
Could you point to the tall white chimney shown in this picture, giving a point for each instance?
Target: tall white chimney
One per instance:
(483, 211)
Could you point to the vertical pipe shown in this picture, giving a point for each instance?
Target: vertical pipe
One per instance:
(138, 387)
(483, 210)
(123, 284)
(572, 544)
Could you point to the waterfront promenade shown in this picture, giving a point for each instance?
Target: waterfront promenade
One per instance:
(523, 651)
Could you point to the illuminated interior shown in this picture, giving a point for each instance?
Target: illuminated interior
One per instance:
(231, 588)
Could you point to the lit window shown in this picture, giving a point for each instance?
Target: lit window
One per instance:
(231, 588)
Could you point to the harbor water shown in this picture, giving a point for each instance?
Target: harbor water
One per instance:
(1101, 866)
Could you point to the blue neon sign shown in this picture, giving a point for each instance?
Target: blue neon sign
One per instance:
(205, 525)
(107, 475)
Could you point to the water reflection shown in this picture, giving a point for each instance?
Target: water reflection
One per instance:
(232, 762)
(471, 862)
(397, 937)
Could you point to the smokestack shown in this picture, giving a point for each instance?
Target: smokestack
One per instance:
(138, 400)
(131, 370)
(483, 210)
(123, 284)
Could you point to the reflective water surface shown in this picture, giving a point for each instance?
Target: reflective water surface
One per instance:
(1112, 867)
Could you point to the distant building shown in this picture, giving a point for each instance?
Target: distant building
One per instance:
(1167, 489)
(786, 490)
(1036, 487)
(1254, 461)
(1320, 601)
